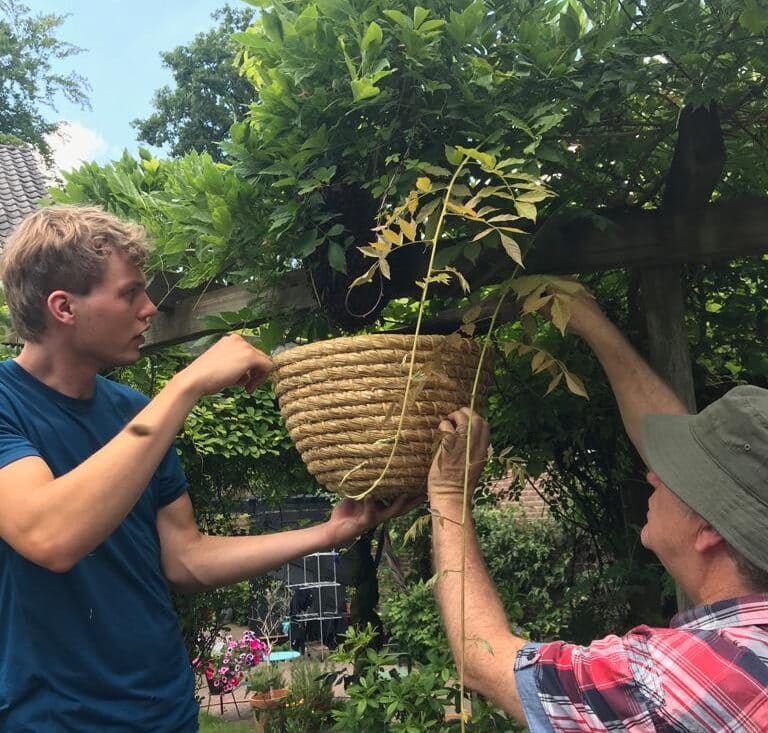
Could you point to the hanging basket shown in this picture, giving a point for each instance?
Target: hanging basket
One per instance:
(342, 400)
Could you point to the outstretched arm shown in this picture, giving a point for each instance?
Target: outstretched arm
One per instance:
(194, 561)
(639, 391)
(483, 646)
(55, 521)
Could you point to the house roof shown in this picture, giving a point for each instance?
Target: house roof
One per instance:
(21, 186)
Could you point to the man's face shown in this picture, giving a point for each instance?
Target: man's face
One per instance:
(111, 319)
(670, 529)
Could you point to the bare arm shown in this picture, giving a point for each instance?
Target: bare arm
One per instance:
(56, 521)
(193, 561)
(489, 648)
(639, 391)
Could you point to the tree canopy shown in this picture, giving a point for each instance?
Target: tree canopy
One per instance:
(615, 106)
(29, 50)
(208, 94)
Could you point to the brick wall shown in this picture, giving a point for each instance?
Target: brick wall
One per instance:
(530, 501)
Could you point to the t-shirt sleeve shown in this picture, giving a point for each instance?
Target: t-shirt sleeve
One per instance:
(586, 688)
(172, 481)
(14, 445)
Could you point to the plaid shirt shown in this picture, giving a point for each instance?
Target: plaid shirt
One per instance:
(707, 673)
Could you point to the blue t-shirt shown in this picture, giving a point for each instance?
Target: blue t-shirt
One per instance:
(97, 649)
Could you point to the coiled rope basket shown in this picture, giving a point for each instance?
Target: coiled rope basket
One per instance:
(342, 399)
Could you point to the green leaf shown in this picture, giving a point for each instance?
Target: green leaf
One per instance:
(400, 18)
(372, 38)
(754, 17)
(485, 159)
(364, 88)
(336, 257)
(273, 26)
(419, 16)
(453, 156)
(570, 24)
(306, 22)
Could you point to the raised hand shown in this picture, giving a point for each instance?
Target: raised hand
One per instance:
(230, 361)
(446, 475)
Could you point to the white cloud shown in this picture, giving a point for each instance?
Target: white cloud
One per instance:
(72, 145)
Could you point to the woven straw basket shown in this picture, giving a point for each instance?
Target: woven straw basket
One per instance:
(342, 399)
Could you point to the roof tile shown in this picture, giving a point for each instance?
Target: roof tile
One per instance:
(21, 186)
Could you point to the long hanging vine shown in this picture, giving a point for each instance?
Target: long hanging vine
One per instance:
(487, 180)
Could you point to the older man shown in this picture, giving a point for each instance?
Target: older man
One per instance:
(707, 523)
(95, 518)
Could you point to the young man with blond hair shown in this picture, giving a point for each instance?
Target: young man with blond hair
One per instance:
(95, 518)
(707, 523)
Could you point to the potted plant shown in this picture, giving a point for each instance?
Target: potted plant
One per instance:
(227, 665)
(265, 682)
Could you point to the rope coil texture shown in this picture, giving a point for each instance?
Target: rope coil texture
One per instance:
(341, 400)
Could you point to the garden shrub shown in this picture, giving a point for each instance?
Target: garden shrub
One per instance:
(548, 582)
(380, 698)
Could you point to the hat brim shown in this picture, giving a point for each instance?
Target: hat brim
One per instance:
(674, 454)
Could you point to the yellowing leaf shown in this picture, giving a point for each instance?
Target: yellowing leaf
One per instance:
(423, 184)
(567, 285)
(365, 278)
(462, 280)
(483, 234)
(408, 228)
(503, 217)
(576, 385)
(535, 302)
(418, 527)
(553, 384)
(560, 313)
(509, 347)
(384, 265)
(512, 248)
(527, 284)
(533, 197)
(392, 237)
(539, 361)
(526, 210)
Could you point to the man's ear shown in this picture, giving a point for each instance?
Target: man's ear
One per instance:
(707, 538)
(60, 307)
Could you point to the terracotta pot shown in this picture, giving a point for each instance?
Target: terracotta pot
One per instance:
(269, 699)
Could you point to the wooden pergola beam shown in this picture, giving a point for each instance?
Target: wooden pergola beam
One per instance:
(187, 319)
(719, 231)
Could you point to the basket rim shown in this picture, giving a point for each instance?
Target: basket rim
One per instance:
(367, 342)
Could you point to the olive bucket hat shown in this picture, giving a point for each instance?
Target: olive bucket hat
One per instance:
(717, 463)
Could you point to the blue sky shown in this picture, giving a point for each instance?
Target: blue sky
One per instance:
(122, 41)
